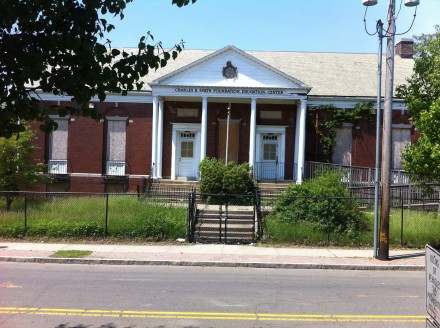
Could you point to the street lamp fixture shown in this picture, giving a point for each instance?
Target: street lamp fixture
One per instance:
(381, 246)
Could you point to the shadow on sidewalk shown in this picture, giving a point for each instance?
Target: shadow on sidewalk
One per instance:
(407, 256)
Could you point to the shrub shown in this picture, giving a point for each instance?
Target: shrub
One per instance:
(218, 178)
(211, 171)
(237, 179)
(323, 204)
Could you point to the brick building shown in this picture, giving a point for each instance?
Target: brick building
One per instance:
(251, 106)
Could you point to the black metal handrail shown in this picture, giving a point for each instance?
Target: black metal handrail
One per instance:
(269, 170)
(257, 211)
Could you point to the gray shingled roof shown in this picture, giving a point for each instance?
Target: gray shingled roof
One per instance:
(329, 74)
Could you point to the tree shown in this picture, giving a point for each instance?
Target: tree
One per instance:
(17, 167)
(61, 47)
(422, 96)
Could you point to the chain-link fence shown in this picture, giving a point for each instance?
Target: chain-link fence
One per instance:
(93, 215)
(324, 220)
(164, 214)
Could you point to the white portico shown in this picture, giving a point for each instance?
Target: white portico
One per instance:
(266, 110)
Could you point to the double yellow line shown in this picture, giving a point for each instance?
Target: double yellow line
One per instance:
(211, 315)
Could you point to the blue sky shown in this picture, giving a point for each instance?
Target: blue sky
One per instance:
(275, 25)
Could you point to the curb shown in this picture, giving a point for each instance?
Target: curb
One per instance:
(262, 265)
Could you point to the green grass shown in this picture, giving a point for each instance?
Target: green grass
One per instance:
(71, 254)
(419, 228)
(77, 217)
(142, 219)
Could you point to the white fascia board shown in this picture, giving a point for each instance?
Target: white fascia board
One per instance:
(349, 102)
(139, 97)
(228, 92)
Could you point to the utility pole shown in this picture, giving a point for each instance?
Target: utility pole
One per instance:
(384, 232)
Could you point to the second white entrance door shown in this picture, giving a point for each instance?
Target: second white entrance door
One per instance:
(270, 143)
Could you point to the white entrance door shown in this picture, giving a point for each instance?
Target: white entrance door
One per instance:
(270, 167)
(186, 159)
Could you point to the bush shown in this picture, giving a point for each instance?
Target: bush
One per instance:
(323, 204)
(211, 171)
(220, 179)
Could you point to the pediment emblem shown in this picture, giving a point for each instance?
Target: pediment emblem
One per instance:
(229, 71)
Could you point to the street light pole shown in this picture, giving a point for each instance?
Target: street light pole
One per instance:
(379, 28)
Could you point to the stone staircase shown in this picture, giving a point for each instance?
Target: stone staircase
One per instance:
(273, 186)
(215, 223)
(269, 186)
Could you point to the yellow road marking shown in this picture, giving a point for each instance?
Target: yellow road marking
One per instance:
(214, 315)
(9, 285)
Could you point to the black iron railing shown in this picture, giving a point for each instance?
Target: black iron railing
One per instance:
(269, 170)
(221, 218)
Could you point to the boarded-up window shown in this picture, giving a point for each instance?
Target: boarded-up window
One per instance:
(342, 150)
(272, 114)
(116, 140)
(187, 112)
(234, 132)
(57, 163)
(401, 137)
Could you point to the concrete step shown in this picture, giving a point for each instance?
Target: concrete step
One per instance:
(217, 221)
(274, 186)
(215, 236)
(177, 184)
(236, 228)
(224, 215)
(223, 211)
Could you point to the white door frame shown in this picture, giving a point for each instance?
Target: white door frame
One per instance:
(184, 127)
(276, 130)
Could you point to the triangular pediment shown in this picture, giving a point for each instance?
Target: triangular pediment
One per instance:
(230, 67)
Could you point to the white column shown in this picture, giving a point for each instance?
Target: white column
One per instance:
(204, 128)
(154, 137)
(253, 128)
(159, 150)
(295, 159)
(173, 154)
(301, 140)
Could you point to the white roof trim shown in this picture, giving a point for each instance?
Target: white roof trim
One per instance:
(247, 56)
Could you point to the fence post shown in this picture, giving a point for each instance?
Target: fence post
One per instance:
(25, 212)
(106, 214)
(226, 222)
(188, 223)
(328, 219)
(401, 218)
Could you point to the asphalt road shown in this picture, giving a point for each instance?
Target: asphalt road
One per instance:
(80, 296)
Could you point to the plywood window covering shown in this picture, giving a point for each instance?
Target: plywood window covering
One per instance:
(187, 112)
(271, 114)
(401, 137)
(342, 149)
(57, 163)
(116, 141)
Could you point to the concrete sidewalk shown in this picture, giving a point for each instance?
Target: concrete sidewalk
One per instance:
(216, 255)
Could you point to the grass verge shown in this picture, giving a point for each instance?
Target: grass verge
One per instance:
(71, 254)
